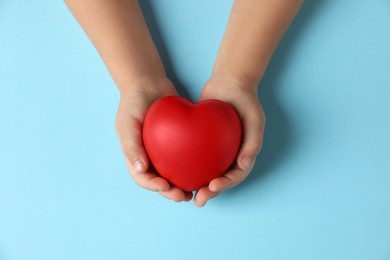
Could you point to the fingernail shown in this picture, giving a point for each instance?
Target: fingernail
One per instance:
(214, 188)
(139, 166)
(200, 205)
(246, 162)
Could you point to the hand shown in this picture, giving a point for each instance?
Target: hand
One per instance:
(243, 97)
(134, 103)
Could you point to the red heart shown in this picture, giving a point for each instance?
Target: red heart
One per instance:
(189, 144)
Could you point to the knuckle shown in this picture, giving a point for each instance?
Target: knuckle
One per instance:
(263, 117)
(130, 152)
(118, 129)
(119, 124)
(126, 146)
(139, 183)
(242, 178)
(260, 117)
(256, 120)
(255, 146)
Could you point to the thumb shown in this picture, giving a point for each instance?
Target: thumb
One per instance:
(129, 131)
(253, 129)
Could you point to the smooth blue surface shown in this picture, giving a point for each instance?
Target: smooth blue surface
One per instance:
(320, 189)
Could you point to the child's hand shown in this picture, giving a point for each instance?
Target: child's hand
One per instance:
(133, 106)
(243, 97)
(127, 49)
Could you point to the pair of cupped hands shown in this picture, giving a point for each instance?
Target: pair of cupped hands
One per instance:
(135, 101)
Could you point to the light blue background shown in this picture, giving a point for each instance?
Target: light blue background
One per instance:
(320, 189)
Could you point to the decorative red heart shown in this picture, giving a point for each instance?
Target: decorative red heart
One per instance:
(189, 144)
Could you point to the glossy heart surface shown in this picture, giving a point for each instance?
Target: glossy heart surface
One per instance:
(189, 144)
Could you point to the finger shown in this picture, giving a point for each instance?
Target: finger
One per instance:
(188, 196)
(174, 194)
(129, 131)
(203, 195)
(230, 179)
(148, 180)
(253, 129)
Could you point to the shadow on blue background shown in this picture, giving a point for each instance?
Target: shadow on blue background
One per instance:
(279, 137)
(149, 16)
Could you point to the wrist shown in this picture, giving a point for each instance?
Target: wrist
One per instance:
(245, 82)
(146, 84)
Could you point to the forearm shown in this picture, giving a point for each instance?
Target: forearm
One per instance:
(119, 33)
(254, 30)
